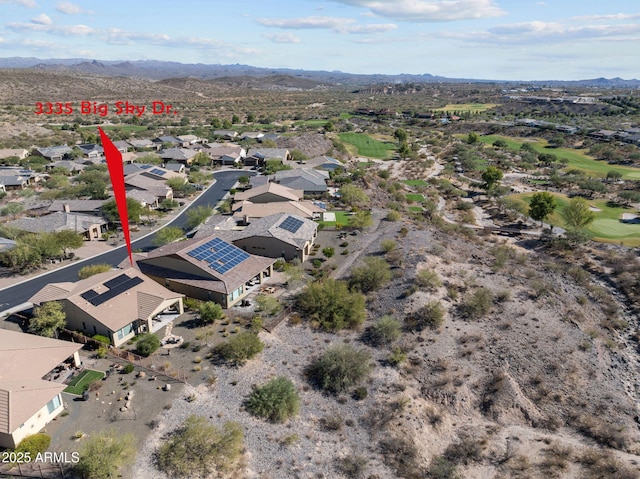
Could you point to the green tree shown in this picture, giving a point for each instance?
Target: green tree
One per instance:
(400, 135)
(235, 119)
(371, 276)
(613, 175)
(240, 348)
(404, 150)
(332, 304)
(92, 269)
(251, 118)
(353, 195)
(577, 214)
(329, 126)
(340, 368)
(105, 454)
(200, 449)
(298, 156)
(168, 204)
(198, 215)
(472, 138)
(630, 196)
(134, 210)
(491, 176)
(361, 219)
(209, 312)
(180, 187)
(68, 239)
(557, 141)
(244, 180)
(276, 401)
(148, 344)
(48, 319)
(201, 159)
(167, 235)
(328, 251)
(542, 206)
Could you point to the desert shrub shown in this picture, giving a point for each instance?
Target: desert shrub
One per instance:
(328, 251)
(600, 463)
(209, 312)
(431, 315)
(332, 304)
(442, 468)
(402, 455)
(340, 368)
(268, 304)
(128, 368)
(477, 304)
(104, 454)
(191, 304)
(101, 352)
(501, 254)
(277, 400)
(372, 275)
(90, 270)
(384, 331)
(240, 348)
(388, 245)
(353, 466)
(198, 449)
(34, 444)
(147, 344)
(393, 216)
(428, 279)
(397, 357)
(332, 422)
(467, 449)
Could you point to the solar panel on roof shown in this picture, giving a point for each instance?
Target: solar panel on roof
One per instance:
(220, 255)
(89, 295)
(116, 290)
(291, 224)
(145, 167)
(116, 281)
(158, 171)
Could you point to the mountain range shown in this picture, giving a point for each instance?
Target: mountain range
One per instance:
(160, 70)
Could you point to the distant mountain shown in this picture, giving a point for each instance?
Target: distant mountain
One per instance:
(161, 70)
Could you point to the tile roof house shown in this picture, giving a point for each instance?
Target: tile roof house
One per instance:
(77, 206)
(269, 192)
(54, 153)
(20, 153)
(312, 182)
(207, 268)
(260, 155)
(91, 150)
(181, 155)
(28, 402)
(117, 304)
(167, 139)
(280, 235)
(73, 166)
(226, 134)
(122, 146)
(89, 226)
(147, 182)
(226, 153)
(144, 144)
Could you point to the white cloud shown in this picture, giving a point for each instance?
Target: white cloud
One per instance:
(421, 11)
(336, 24)
(69, 8)
(282, 37)
(615, 16)
(26, 3)
(62, 30)
(42, 19)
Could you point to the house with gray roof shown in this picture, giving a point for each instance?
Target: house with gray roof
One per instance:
(78, 206)
(91, 150)
(145, 144)
(167, 139)
(19, 153)
(89, 226)
(180, 155)
(312, 182)
(122, 146)
(258, 157)
(226, 134)
(208, 268)
(281, 235)
(54, 153)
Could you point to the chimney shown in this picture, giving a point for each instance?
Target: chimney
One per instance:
(66, 208)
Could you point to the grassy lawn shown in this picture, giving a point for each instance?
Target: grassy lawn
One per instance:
(416, 198)
(316, 123)
(368, 146)
(578, 159)
(415, 182)
(82, 381)
(462, 107)
(606, 228)
(415, 209)
(342, 218)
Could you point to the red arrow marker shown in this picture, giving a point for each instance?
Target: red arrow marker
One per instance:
(116, 172)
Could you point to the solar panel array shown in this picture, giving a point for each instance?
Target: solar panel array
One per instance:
(291, 224)
(117, 286)
(158, 171)
(220, 255)
(145, 167)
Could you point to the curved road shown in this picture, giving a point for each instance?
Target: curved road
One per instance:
(20, 293)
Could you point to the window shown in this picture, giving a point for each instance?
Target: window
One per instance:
(54, 404)
(124, 332)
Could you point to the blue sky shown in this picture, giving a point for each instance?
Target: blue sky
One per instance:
(488, 39)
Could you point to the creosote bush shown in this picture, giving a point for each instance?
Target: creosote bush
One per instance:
(384, 331)
(340, 368)
(276, 401)
(147, 344)
(34, 444)
(240, 348)
(372, 275)
(477, 305)
(428, 279)
(332, 304)
(431, 315)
